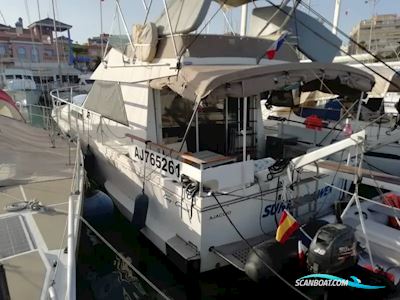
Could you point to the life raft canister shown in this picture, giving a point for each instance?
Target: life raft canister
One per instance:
(392, 200)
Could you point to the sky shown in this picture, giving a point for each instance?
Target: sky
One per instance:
(84, 15)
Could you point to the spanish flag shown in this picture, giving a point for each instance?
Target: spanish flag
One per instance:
(287, 225)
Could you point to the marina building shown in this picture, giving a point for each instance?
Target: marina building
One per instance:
(380, 35)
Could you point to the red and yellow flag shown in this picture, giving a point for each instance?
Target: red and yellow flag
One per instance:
(287, 225)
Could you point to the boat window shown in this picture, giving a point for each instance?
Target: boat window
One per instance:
(105, 98)
(10, 77)
(176, 112)
(36, 79)
(18, 76)
(281, 98)
(27, 77)
(50, 79)
(220, 122)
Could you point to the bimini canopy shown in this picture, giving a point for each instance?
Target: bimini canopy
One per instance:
(197, 82)
(8, 107)
(390, 82)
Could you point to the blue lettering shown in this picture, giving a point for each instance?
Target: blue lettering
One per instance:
(324, 191)
(266, 211)
(274, 209)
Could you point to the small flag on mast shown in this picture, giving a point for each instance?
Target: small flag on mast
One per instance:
(287, 225)
(271, 52)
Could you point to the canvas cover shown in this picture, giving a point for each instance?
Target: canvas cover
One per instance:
(27, 155)
(383, 85)
(185, 16)
(105, 98)
(8, 107)
(197, 82)
(145, 39)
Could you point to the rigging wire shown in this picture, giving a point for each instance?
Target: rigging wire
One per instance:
(346, 35)
(334, 45)
(199, 33)
(119, 254)
(256, 253)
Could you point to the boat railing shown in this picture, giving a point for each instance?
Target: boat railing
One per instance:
(74, 212)
(36, 115)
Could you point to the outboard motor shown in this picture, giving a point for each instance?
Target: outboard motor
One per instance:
(333, 249)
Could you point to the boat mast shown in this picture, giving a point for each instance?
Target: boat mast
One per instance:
(101, 29)
(55, 31)
(243, 20)
(336, 17)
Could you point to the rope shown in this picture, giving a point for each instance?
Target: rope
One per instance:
(33, 205)
(256, 253)
(123, 258)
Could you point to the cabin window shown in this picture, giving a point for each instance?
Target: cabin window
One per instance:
(21, 53)
(18, 76)
(219, 122)
(10, 77)
(175, 113)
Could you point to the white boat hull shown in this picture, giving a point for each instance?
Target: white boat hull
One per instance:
(205, 225)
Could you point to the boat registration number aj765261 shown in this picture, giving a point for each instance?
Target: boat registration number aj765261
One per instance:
(165, 165)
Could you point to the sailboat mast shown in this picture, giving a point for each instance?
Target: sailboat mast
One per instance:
(56, 41)
(243, 20)
(336, 17)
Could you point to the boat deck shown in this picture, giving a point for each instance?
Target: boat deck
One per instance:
(33, 238)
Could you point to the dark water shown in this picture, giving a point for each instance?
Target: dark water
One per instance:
(102, 275)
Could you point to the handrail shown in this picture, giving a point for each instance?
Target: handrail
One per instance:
(57, 97)
(76, 191)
